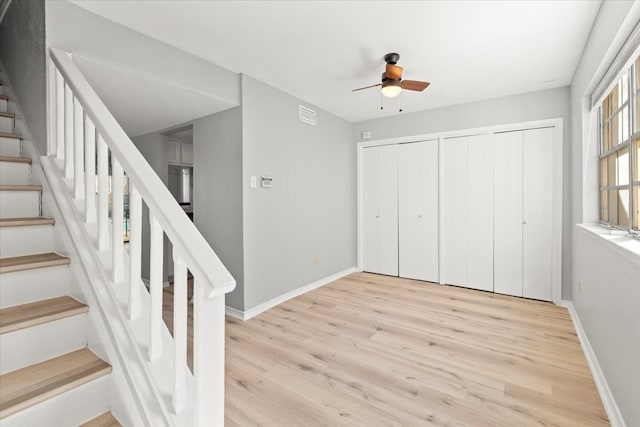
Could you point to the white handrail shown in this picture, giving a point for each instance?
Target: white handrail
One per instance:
(85, 128)
(197, 253)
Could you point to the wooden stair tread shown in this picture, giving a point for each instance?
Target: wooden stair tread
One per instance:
(28, 262)
(39, 312)
(26, 221)
(20, 187)
(29, 386)
(9, 115)
(104, 420)
(10, 135)
(15, 159)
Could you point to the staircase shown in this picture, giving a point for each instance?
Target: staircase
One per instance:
(48, 375)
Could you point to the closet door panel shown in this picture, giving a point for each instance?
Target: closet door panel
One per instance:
(371, 209)
(455, 211)
(508, 213)
(537, 213)
(418, 210)
(480, 212)
(388, 210)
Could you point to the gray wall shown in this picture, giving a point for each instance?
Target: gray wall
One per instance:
(530, 106)
(154, 148)
(217, 187)
(606, 291)
(22, 52)
(304, 228)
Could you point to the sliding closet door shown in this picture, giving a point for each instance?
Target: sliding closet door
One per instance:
(380, 209)
(418, 210)
(455, 211)
(480, 212)
(537, 215)
(389, 210)
(371, 209)
(508, 213)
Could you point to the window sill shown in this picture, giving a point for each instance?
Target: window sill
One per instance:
(619, 240)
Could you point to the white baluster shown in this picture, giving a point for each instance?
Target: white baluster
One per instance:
(103, 194)
(68, 132)
(59, 115)
(135, 250)
(156, 241)
(179, 331)
(208, 357)
(117, 229)
(90, 170)
(78, 154)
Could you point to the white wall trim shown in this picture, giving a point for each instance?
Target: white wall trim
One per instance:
(558, 138)
(619, 240)
(463, 132)
(234, 312)
(610, 406)
(261, 308)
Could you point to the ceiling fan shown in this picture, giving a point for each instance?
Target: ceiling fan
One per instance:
(392, 83)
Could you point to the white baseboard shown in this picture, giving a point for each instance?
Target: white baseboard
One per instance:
(610, 406)
(234, 312)
(260, 308)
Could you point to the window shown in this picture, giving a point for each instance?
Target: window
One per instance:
(619, 114)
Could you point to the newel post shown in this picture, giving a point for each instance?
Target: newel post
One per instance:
(208, 357)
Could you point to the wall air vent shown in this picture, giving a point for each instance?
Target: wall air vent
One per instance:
(307, 115)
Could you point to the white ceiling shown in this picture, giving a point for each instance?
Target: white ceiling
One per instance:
(320, 50)
(143, 103)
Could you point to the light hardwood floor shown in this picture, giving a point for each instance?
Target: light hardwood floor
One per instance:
(372, 350)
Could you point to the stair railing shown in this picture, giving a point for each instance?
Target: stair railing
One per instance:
(82, 127)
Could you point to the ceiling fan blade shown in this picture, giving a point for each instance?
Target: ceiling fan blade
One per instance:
(366, 87)
(416, 85)
(393, 72)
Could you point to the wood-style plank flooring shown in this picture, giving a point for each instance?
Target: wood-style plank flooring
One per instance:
(371, 350)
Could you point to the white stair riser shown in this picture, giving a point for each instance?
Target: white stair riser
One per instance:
(36, 344)
(69, 409)
(18, 241)
(4, 105)
(15, 204)
(12, 173)
(6, 124)
(9, 147)
(22, 287)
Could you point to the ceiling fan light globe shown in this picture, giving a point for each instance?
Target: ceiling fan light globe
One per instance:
(391, 90)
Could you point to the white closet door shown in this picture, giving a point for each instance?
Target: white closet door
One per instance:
(389, 210)
(480, 212)
(508, 213)
(455, 211)
(537, 213)
(418, 210)
(371, 209)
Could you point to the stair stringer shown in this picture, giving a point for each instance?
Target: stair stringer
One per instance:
(107, 390)
(139, 392)
(112, 335)
(121, 397)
